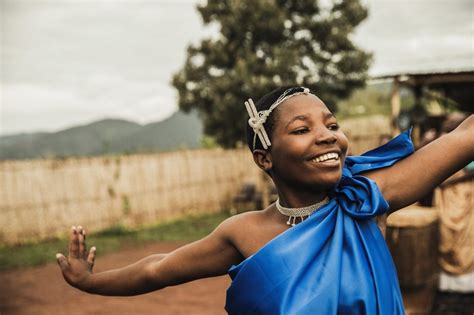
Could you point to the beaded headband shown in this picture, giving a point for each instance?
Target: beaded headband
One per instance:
(257, 119)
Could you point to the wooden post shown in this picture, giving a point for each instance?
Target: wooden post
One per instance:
(395, 105)
(416, 133)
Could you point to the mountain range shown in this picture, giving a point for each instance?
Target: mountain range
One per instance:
(107, 136)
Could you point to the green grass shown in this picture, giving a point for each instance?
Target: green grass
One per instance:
(189, 228)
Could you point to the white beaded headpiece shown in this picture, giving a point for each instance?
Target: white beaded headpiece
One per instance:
(257, 119)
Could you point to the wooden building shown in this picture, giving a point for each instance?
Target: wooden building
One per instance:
(454, 87)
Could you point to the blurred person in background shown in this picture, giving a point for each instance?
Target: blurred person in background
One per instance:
(449, 124)
(455, 201)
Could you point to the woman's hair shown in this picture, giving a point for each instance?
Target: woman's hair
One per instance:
(263, 104)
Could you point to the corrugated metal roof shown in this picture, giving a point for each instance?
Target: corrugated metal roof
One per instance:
(462, 64)
(423, 72)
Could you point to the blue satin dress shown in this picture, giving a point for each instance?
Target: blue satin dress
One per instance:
(336, 261)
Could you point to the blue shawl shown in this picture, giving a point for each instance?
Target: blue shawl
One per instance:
(336, 261)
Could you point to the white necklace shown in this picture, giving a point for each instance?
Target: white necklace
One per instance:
(293, 213)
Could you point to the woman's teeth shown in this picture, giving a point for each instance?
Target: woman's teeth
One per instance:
(328, 156)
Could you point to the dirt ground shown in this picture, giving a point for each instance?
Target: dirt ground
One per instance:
(42, 290)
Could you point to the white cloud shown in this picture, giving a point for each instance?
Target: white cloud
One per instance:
(418, 35)
(65, 63)
(36, 107)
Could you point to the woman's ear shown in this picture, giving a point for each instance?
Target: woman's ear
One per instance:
(263, 159)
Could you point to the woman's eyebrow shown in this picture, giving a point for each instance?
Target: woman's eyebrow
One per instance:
(299, 117)
(329, 115)
(326, 116)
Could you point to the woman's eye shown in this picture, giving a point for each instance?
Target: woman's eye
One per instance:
(333, 127)
(300, 131)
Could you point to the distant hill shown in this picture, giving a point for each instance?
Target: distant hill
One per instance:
(106, 136)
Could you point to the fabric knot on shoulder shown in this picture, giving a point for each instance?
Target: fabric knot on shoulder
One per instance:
(360, 196)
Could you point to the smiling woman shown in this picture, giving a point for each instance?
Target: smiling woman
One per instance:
(317, 250)
(306, 133)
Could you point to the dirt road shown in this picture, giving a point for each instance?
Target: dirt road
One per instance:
(42, 290)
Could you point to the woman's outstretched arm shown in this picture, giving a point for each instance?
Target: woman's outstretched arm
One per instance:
(412, 178)
(210, 256)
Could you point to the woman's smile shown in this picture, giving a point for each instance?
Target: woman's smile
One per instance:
(330, 159)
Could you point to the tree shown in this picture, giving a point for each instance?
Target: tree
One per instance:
(264, 44)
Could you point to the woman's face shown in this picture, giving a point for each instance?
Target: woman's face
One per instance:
(308, 148)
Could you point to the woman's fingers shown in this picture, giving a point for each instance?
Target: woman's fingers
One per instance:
(71, 236)
(82, 242)
(74, 243)
(62, 262)
(91, 256)
(77, 245)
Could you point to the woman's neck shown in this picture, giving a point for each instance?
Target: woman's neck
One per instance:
(299, 197)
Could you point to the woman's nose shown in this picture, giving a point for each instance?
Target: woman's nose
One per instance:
(325, 136)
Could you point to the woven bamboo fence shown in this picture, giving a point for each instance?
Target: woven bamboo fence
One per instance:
(42, 198)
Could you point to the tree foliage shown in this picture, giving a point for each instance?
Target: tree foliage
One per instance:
(264, 44)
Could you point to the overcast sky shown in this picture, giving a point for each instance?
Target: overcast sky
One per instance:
(69, 62)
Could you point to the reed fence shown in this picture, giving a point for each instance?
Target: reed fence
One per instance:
(43, 198)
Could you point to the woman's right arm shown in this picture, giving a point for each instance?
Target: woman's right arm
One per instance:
(208, 257)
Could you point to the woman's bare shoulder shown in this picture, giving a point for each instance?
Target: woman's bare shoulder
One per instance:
(246, 220)
(247, 224)
(250, 231)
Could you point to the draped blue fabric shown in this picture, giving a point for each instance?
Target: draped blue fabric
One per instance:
(336, 261)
